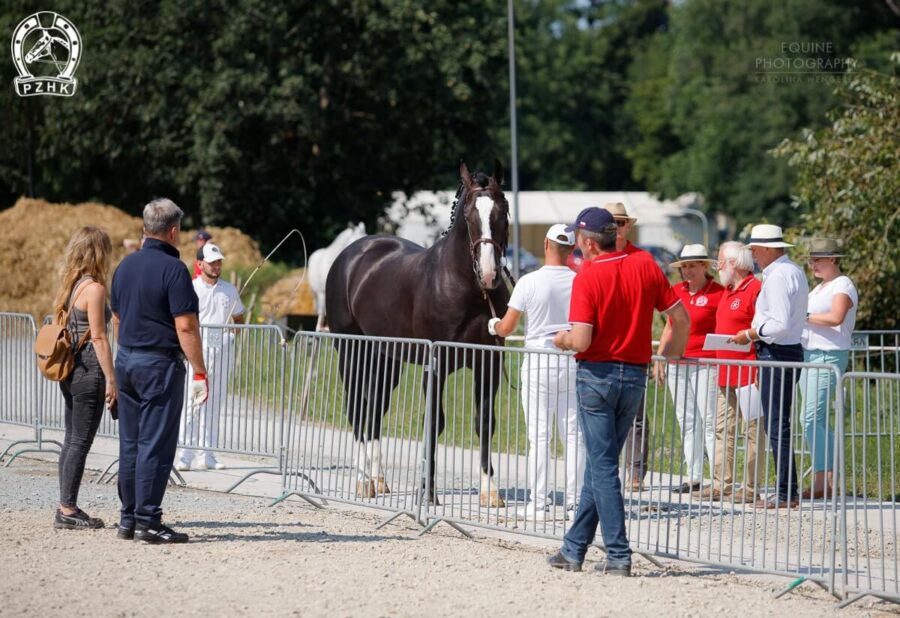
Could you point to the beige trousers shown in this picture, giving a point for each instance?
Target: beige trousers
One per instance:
(754, 432)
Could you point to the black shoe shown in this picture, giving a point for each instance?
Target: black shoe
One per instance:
(126, 533)
(558, 561)
(687, 488)
(159, 534)
(77, 521)
(620, 570)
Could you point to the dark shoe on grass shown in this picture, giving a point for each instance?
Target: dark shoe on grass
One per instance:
(620, 570)
(558, 561)
(79, 520)
(159, 534)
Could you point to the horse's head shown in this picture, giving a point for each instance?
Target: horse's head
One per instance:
(486, 214)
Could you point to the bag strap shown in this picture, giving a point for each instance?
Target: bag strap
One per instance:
(71, 304)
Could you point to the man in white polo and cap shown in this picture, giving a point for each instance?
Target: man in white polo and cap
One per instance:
(776, 330)
(220, 303)
(548, 380)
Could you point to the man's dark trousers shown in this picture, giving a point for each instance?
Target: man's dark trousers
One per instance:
(151, 393)
(776, 389)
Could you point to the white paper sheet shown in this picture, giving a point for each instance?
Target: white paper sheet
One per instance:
(720, 342)
(749, 402)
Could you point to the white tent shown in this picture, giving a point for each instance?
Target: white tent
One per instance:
(665, 223)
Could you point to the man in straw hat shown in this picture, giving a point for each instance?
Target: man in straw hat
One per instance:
(776, 329)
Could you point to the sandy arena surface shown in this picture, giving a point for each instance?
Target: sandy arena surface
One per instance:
(246, 558)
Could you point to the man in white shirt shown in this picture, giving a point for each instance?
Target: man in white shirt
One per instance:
(547, 379)
(777, 328)
(219, 304)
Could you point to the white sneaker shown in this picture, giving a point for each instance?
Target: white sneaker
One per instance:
(214, 464)
(533, 513)
(182, 465)
(199, 464)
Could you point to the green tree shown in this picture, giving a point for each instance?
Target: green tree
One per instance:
(848, 184)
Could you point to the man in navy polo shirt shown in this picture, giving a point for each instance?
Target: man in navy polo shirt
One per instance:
(155, 313)
(611, 313)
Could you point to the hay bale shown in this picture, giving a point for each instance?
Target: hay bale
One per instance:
(34, 234)
(285, 298)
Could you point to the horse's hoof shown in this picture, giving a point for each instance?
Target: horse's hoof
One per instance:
(491, 499)
(381, 487)
(365, 489)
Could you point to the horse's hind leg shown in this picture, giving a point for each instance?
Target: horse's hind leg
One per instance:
(487, 367)
(385, 373)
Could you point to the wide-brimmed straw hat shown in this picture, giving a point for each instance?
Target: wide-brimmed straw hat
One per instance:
(617, 210)
(825, 247)
(692, 253)
(765, 235)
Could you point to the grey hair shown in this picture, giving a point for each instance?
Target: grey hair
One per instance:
(161, 215)
(605, 239)
(734, 250)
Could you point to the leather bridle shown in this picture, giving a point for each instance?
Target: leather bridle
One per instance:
(474, 243)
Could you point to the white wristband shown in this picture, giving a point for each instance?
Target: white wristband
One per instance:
(492, 326)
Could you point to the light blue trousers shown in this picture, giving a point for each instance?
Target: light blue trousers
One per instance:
(817, 387)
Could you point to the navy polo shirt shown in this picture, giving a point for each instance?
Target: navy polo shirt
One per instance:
(149, 289)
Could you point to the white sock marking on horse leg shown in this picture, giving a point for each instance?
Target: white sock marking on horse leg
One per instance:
(362, 459)
(486, 483)
(376, 460)
(485, 205)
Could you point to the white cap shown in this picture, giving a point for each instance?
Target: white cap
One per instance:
(558, 232)
(211, 253)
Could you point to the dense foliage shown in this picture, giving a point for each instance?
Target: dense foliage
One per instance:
(848, 184)
(307, 114)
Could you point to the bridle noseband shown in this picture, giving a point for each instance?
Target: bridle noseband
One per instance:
(473, 244)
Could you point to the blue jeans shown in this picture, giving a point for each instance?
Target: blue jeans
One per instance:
(609, 396)
(776, 389)
(818, 388)
(151, 391)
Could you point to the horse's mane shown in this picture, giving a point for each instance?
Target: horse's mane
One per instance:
(482, 180)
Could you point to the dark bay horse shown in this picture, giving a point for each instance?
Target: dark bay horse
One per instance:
(390, 287)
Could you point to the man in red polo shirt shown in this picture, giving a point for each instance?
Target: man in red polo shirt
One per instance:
(611, 313)
(735, 313)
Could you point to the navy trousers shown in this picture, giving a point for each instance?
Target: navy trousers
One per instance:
(776, 389)
(151, 393)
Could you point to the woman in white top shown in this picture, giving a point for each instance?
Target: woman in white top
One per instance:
(826, 339)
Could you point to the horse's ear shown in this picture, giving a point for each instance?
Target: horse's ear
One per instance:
(498, 172)
(464, 174)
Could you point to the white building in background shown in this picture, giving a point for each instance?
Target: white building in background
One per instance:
(663, 223)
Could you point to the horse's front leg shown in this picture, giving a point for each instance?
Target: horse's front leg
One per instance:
(487, 380)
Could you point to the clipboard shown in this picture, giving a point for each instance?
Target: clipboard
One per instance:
(720, 342)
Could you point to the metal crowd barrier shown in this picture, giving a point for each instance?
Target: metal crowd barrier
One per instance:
(18, 382)
(875, 351)
(358, 408)
(871, 492)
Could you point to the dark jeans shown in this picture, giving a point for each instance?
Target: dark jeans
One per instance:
(776, 389)
(151, 392)
(609, 396)
(84, 393)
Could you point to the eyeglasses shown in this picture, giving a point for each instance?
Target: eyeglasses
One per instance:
(621, 222)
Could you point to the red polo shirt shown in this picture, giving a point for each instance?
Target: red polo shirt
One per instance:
(616, 295)
(702, 309)
(735, 313)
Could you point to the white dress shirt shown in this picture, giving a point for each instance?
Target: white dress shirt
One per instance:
(781, 304)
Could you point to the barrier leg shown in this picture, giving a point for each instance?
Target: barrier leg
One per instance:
(435, 521)
(255, 472)
(395, 516)
(288, 494)
(28, 450)
(103, 474)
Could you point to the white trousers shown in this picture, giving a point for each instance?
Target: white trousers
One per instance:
(548, 397)
(200, 426)
(693, 390)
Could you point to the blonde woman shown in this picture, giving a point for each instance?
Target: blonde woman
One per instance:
(93, 380)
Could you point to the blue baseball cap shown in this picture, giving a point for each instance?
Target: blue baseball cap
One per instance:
(592, 219)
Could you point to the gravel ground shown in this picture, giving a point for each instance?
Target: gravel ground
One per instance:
(247, 558)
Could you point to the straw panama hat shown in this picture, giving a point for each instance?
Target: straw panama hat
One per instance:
(617, 210)
(765, 235)
(825, 247)
(692, 253)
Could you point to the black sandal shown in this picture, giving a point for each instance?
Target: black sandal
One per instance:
(77, 521)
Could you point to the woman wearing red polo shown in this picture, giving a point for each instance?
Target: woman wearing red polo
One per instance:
(693, 386)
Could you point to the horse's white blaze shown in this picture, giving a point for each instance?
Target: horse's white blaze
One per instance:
(485, 205)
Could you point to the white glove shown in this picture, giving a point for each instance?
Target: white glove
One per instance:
(492, 326)
(199, 389)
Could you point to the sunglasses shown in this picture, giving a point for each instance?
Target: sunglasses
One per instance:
(621, 222)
